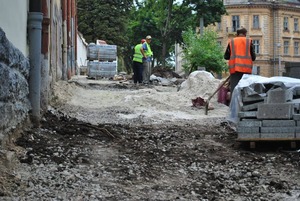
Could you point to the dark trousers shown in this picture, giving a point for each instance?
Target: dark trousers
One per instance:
(137, 72)
(234, 80)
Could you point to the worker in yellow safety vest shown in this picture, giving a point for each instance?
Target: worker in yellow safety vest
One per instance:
(147, 59)
(138, 63)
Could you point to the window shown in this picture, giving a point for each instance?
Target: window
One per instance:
(285, 23)
(296, 48)
(255, 21)
(286, 47)
(296, 25)
(256, 46)
(235, 23)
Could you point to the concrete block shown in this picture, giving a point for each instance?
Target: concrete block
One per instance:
(297, 135)
(296, 91)
(254, 98)
(252, 106)
(278, 129)
(277, 135)
(248, 91)
(259, 88)
(278, 123)
(249, 123)
(241, 129)
(296, 117)
(297, 131)
(296, 103)
(275, 111)
(252, 114)
(248, 135)
(279, 95)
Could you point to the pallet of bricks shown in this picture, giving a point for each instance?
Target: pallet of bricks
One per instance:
(102, 61)
(268, 112)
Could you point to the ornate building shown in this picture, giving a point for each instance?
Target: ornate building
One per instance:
(273, 26)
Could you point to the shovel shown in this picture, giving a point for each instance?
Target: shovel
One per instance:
(207, 101)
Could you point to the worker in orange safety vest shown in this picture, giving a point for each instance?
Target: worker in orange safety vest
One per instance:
(240, 53)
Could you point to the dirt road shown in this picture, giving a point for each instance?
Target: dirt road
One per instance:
(114, 141)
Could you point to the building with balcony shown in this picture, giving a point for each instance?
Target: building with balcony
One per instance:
(273, 26)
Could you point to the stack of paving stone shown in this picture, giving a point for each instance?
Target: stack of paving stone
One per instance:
(102, 61)
(269, 111)
(101, 52)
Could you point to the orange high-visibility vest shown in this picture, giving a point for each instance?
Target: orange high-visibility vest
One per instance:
(240, 56)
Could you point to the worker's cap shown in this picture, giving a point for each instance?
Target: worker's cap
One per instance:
(143, 40)
(148, 37)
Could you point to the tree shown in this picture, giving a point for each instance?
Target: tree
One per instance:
(210, 10)
(104, 19)
(203, 51)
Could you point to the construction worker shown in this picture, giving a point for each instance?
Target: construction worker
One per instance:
(241, 54)
(147, 58)
(138, 63)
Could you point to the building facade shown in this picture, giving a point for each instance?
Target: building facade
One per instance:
(273, 26)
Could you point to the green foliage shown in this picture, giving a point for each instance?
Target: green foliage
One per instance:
(203, 51)
(210, 10)
(104, 20)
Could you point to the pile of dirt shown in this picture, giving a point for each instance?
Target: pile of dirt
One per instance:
(165, 72)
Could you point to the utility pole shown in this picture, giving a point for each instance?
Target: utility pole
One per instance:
(201, 26)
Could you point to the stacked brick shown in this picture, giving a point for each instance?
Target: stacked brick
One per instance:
(269, 111)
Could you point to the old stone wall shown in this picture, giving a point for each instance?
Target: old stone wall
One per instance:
(14, 88)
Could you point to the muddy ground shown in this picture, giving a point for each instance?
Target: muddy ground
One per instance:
(68, 158)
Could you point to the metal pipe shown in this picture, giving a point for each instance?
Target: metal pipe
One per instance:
(274, 38)
(35, 36)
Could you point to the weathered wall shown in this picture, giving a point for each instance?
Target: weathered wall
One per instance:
(14, 89)
(13, 20)
(81, 51)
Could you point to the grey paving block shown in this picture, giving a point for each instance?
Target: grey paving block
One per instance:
(297, 135)
(241, 129)
(297, 129)
(248, 91)
(296, 117)
(277, 135)
(278, 129)
(254, 98)
(275, 111)
(252, 106)
(248, 135)
(249, 123)
(296, 103)
(296, 91)
(278, 123)
(279, 95)
(251, 114)
(259, 88)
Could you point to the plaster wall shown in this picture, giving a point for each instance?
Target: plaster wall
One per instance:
(13, 21)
